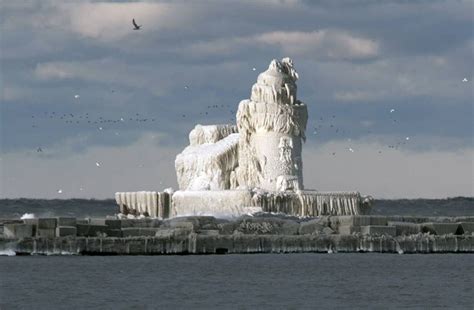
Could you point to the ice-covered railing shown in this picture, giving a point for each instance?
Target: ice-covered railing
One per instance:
(238, 202)
(312, 203)
(147, 203)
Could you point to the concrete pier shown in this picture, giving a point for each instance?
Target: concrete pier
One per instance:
(261, 234)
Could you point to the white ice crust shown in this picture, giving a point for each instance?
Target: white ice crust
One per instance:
(230, 170)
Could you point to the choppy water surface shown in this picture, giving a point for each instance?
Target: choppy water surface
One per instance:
(292, 281)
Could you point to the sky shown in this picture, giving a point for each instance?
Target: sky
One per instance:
(90, 107)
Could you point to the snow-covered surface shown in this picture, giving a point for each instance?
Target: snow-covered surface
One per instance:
(210, 133)
(207, 166)
(228, 203)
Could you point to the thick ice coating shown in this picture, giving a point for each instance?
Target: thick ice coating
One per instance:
(253, 165)
(272, 128)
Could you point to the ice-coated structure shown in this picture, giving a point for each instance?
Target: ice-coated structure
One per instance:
(253, 165)
(271, 130)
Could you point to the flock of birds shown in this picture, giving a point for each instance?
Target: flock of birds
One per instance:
(100, 121)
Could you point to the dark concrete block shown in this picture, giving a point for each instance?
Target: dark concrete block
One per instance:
(18, 231)
(46, 232)
(63, 231)
(113, 224)
(97, 221)
(267, 226)
(378, 220)
(348, 229)
(440, 228)
(140, 223)
(405, 228)
(90, 230)
(227, 228)
(110, 223)
(327, 231)
(34, 223)
(209, 232)
(47, 223)
(139, 231)
(311, 227)
(172, 232)
(378, 230)
(193, 222)
(116, 233)
(350, 220)
(66, 221)
(407, 218)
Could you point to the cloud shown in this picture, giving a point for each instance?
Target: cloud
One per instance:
(147, 164)
(158, 79)
(143, 165)
(320, 44)
(379, 53)
(332, 44)
(356, 96)
(14, 92)
(391, 173)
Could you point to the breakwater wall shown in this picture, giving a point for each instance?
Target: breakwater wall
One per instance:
(244, 244)
(260, 234)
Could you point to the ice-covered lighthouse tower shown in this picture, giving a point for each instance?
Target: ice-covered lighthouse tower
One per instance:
(227, 168)
(272, 128)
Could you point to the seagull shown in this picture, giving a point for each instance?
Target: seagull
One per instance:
(135, 26)
(464, 80)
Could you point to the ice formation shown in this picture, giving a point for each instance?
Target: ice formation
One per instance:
(272, 127)
(207, 165)
(27, 216)
(154, 204)
(253, 165)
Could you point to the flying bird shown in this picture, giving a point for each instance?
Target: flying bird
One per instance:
(135, 26)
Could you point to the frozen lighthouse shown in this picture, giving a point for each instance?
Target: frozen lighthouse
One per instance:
(272, 127)
(255, 165)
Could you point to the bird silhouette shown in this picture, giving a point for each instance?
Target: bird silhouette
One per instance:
(135, 26)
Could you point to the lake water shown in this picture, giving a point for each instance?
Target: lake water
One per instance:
(273, 281)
